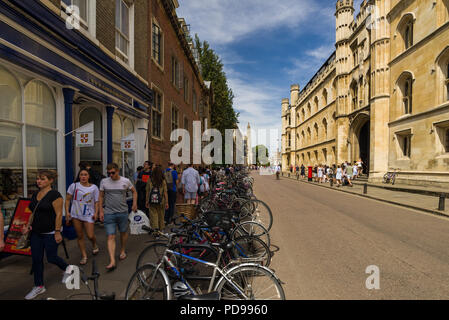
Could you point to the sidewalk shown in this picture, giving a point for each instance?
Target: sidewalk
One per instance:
(16, 281)
(407, 196)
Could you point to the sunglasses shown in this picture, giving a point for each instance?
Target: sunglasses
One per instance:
(111, 173)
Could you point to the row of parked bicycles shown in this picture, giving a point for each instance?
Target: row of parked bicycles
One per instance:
(221, 252)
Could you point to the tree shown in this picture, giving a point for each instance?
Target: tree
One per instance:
(261, 150)
(223, 115)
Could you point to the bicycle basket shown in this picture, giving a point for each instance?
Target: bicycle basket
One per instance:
(221, 219)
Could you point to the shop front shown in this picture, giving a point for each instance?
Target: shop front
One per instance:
(52, 81)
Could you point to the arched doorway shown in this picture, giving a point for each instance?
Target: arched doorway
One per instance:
(364, 146)
(360, 140)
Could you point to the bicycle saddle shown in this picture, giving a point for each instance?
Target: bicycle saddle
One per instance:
(202, 297)
(107, 296)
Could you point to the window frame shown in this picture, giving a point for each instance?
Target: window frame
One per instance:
(123, 56)
(174, 112)
(155, 110)
(84, 22)
(160, 52)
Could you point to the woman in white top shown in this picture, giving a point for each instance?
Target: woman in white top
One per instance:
(339, 175)
(84, 197)
(320, 174)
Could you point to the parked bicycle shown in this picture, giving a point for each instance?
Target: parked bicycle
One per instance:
(247, 281)
(390, 177)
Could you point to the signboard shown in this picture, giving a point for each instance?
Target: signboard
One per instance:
(85, 135)
(129, 143)
(18, 221)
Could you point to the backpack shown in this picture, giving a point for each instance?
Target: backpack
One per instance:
(155, 196)
(169, 179)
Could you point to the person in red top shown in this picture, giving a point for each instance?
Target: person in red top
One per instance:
(141, 184)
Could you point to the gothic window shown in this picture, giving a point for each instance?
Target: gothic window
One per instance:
(325, 96)
(405, 28)
(303, 114)
(407, 99)
(447, 81)
(317, 105)
(354, 95)
(446, 140)
(316, 132)
(309, 109)
(309, 135)
(405, 86)
(325, 127)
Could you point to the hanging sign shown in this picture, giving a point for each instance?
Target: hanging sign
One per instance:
(85, 135)
(129, 143)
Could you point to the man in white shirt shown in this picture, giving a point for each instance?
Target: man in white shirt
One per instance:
(190, 181)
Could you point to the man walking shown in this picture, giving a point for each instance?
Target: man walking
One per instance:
(141, 184)
(171, 178)
(190, 181)
(114, 210)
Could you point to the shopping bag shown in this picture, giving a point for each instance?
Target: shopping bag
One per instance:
(136, 221)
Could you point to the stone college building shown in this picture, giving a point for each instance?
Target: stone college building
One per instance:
(382, 96)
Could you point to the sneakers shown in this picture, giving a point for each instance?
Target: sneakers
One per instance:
(35, 292)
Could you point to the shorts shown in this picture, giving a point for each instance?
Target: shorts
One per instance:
(190, 195)
(114, 220)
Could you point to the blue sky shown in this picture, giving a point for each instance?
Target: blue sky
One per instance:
(265, 47)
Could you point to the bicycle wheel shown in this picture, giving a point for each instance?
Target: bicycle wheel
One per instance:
(148, 283)
(251, 249)
(255, 282)
(259, 211)
(151, 254)
(253, 229)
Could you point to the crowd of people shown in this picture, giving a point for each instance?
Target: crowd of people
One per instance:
(96, 199)
(341, 174)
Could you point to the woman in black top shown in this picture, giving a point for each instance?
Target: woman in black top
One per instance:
(45, 229)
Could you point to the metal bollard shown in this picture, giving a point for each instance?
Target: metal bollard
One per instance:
(442, 202)
(365, 188)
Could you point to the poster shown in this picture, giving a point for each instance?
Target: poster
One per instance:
(19, 219)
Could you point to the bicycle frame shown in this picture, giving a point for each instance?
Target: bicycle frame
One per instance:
(223, 272)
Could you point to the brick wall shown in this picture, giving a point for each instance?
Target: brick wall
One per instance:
(142, 37)
(106, 23)
(160, 150)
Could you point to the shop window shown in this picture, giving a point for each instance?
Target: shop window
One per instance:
(122, 30)
(129, 159)
(93, 154)
(40, 119)
(157, 115)
(121, 128)
(11, 144)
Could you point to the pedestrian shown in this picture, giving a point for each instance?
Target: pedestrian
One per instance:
(349, 173)
(157, 199)
(141, 184)
(45, 230)
(81, 207)
(171, 178)
(303, 171)
(315, 173)
(114, 211)
(95, 176)
(330, 175)
(136, 174)
(360, 166)
(190, 181)
(355, 170)
(339, 176)
(320, 173)
(2, 228)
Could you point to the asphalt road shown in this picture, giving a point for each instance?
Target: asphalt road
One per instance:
(327, 239)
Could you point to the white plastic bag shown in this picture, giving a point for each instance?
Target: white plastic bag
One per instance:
(136, 221)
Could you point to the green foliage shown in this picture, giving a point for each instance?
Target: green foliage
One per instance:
(263, 150)
(223, 115)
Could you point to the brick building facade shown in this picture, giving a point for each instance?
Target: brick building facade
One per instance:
(181, 95)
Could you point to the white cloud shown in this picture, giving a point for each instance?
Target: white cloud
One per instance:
(223, 22)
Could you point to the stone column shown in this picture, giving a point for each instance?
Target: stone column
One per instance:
(69, 166)
(110, 113)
